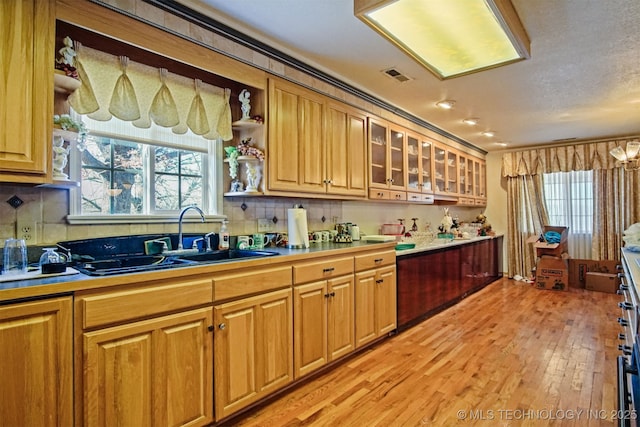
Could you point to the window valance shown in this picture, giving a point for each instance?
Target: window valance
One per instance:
(140, 94)
(589, 156)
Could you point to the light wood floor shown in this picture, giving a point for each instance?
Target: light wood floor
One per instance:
(509, 355)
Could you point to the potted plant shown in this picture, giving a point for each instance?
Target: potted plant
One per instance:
(67, 123)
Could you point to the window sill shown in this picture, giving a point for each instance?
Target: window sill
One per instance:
(138, 219)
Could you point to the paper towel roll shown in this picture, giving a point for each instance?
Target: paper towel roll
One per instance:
(297, 226)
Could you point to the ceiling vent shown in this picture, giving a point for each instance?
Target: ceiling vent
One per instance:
(396, 75)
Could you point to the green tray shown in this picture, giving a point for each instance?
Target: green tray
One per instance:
(403, 246)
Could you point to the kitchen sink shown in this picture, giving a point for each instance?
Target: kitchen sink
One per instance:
(132, 264)
(230, 255)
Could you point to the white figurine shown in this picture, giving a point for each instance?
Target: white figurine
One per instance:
(447, 221)
(67, 54)
(245, 104)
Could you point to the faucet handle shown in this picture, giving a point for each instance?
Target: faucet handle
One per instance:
(194, 244)
(207, 240)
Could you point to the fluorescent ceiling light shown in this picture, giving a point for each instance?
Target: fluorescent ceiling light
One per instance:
(472, 121)
(489, 133)
(450, 37)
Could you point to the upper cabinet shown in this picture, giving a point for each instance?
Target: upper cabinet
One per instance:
(316, 145)
(387, 160)
(445, 162)
(26, 90)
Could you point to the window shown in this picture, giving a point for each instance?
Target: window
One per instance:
(569, 200)
(137, 175)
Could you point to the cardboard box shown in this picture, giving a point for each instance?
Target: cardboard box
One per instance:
(552, 273)
(551, 249)
(578, 269)
(602, 282)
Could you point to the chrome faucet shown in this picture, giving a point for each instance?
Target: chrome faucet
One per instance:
(180, 246)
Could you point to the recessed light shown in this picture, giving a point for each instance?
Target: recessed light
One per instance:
(472, 121)
(447, 104)
(502, 143)
(489, 133)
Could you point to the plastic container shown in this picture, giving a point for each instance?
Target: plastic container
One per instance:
(392, 229)
(355, 232)
(224, 236)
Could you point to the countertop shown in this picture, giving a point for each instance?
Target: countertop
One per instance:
(68, 284)
(443, 244)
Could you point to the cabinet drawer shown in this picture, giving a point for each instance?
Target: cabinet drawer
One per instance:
(324, 269)
(130, 304)
(398, 195)
(377, 194)
(370, 261)
(243, 283)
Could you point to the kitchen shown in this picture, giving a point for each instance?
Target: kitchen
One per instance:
(49, 207)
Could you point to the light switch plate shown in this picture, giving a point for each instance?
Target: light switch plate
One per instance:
(264, 225)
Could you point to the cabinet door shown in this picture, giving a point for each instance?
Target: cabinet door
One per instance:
(26, 89)
(150, 373)
(426, 166)
(36, 364)
(397, 158)
(413, 163)
(296, 146)
(341, 328)
(378, 154)
(252, 349)
(385, 300)
(310, 326)
(440, 169)
(365, 301)
(346, 151)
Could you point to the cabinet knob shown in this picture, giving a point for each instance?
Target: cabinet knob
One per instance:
(327, 295)
(210, 328)
(379, 281)
(623, 322)
(625, 305)
(333, 294)
(221, 326)
(622, 337)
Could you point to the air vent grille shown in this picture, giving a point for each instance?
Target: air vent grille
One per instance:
(396, 75)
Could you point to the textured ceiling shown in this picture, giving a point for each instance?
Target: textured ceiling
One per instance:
(582, 81)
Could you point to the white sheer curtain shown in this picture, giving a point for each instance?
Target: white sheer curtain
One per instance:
(569, 200)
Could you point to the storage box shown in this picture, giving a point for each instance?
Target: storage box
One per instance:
(578, 269)
(602, 282)
(552, 273)
(552, 249)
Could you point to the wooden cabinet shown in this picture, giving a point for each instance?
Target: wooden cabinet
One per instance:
(346, 150)
(445, 161)
(26, 90)
(480, 182)
(36, 364)
(387, 160)
(375, 296)
(323, 313)
(253, 349)
(150, 373)
(433, 280)
(472, 181)
(316, 145)
(144, 355)
(296, 154)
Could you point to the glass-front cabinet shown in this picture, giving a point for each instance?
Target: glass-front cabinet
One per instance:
(445, 169)
(426, 165)
(387, 154)
(414, 163)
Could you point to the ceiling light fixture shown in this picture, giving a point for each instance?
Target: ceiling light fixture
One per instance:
(447, 104)
(450, 38)
(489, 133)
(628, 157)
(472, 121)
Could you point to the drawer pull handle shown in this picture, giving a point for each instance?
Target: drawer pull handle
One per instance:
(622, 337)
(378, 260)
(379, 281)
(625, 349)
(625, 305)
(624, 287)
(328, 270)
(623, 322)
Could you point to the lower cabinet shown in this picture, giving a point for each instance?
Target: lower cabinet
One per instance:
(252, 349)
(155, 372)
(324, 323)
(375, 296)
(36, 369)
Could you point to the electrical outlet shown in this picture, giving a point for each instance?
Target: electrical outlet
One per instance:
(27, 230)
(264, 225)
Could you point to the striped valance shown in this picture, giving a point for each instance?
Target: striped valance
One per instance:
(588, 156)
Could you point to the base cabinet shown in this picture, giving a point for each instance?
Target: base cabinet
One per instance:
(150, 373)
(375, 293)
(36, 367)
(252, 349)
(324, 323)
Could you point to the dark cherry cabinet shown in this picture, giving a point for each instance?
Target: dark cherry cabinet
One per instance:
(432, 280)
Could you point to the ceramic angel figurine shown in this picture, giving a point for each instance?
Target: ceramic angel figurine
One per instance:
(245, 104)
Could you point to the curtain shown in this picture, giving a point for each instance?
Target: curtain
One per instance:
(616, 188)
(113, 86)
(526, 216)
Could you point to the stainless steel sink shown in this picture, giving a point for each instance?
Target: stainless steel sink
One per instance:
(230, 255)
